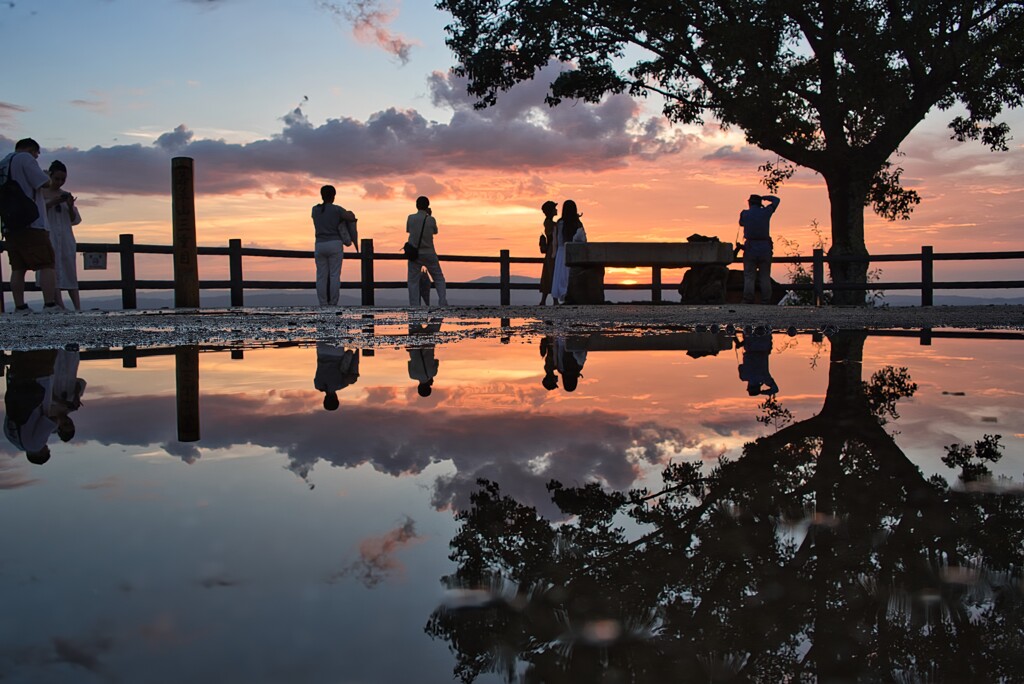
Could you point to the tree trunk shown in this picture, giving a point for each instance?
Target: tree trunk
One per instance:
(847, 195)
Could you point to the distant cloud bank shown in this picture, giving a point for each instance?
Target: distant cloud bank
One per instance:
(519, 134)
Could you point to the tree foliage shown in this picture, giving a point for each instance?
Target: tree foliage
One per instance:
(831, 86)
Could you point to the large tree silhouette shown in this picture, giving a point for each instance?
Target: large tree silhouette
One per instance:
(820, 554)
(831, 86)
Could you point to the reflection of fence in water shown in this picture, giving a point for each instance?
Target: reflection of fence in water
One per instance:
(695, 342)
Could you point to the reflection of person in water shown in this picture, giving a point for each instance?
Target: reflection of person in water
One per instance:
(422, 364)
(28, 424)
(336, 369)
(66, 393)
(547, 350)
(570, 364)
(757, 347)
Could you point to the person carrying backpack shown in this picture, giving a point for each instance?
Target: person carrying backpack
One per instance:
(28, 247)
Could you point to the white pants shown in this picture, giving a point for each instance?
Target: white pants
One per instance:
(328, 256)
(434, 269)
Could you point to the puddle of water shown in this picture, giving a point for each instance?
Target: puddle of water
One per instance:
(760, 510)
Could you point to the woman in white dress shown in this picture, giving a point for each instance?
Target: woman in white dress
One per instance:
(568, 229)
(61, 214)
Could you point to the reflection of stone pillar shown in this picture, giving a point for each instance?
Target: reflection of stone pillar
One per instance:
(186, 373)
(369, 329)
(183, 210)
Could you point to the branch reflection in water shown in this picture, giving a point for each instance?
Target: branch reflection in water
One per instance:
(821, 553)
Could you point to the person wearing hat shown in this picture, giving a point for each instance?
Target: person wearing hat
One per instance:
(757, 246)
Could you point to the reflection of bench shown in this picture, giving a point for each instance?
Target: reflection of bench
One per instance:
(696, 344)
(589, 259)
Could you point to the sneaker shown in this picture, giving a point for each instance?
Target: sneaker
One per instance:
(52, 308)
(23, 309)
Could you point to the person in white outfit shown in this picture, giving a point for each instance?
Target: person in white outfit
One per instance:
(335, 229)
(568, 229)
(61, 215)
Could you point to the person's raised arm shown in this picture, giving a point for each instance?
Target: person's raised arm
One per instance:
(773, 202)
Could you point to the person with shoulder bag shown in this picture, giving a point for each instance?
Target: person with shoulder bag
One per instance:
(28, 244)
(419, 252)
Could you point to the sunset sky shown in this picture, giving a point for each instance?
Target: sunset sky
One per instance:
(274, 98)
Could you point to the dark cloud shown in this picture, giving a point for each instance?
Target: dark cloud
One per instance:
(742, 156)
(520, 134)
(175, 140)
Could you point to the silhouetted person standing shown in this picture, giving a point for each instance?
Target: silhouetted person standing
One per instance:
(547, 273)
(422, 227)
(335, 229)
(61, 215)
(29, 248)
(757, 247)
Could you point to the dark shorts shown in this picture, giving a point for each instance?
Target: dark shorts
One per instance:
(30, 250)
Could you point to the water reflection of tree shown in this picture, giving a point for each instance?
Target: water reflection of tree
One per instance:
(821, 554)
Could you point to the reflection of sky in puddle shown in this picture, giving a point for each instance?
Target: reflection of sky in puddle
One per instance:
(296, 544)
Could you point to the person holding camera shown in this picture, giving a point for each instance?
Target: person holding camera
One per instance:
(422, 227)
(61, 215)
(758, 247)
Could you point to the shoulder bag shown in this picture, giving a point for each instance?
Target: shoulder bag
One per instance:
(17, 210)
(413, 253)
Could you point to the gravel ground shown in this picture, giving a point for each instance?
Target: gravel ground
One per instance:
(381, 327)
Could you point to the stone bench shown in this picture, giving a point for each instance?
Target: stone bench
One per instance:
(587, 261)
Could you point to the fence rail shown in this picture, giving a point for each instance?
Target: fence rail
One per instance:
(129, 284)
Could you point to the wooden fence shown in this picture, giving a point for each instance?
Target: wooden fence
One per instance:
(129, 283)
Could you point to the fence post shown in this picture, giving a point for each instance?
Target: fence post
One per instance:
(927, 276)
(656, 284)
(366, 270)
(818, 274)
(506, 278)
(235, 268)
(183, 215)
(128, 300)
